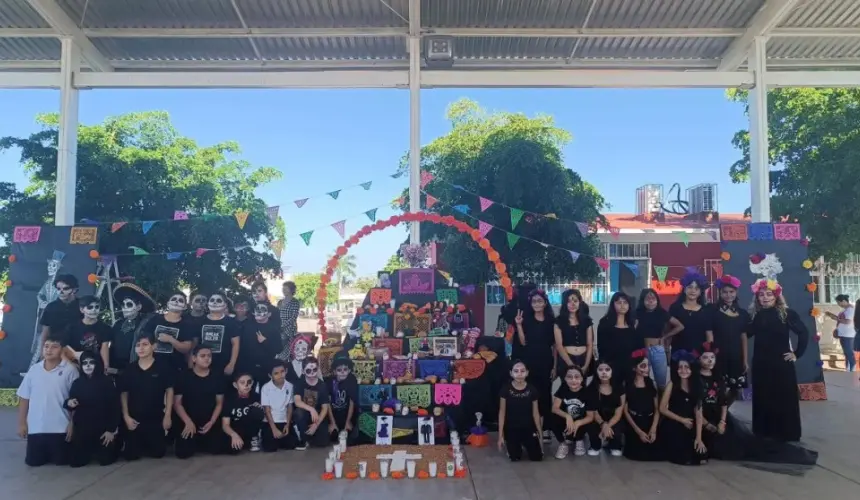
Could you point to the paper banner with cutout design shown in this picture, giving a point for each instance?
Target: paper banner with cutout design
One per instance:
(414, 395)
(367, 424)
(83, 235)
(485, 203)
(717, 268)
(366, 185)
(241, 218)
(272, 213)
(734, 232)
(300, 204)
(661, 272)
(516, 215)
(368, 395)
(364, 369)
(450, 296)
(334, 194)
(602, 263)
(469, 369)
(325, 357)
(448, 394)
(146, 225)
(116, 226)
(512, 240)
(371, 214)
(430, 201)
(417, 324)
(394, 345)
(440, 368)
(26, 234)
(380, 296)
(815, 391)
(277, 247)
(398, 368)
(685, 238)
(306, 237)
(786, 232)
(760, 231)
(340, 227)
(583, 228)
(426, 178)
(484, 228)
(138, 251)
(180, 215)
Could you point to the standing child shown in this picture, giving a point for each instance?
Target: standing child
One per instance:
(535, 344)
(713, 408)
(641, 412)
(174, 333)
(260, 343)
(610, 410)
(343, 388)
(90, 333)
(519, 416)
(654, 325)
(277, 400)
(146, 394)
(730, 327)
(679, 430)
(198, 402)
(94, 403)
(573, 406)
(242, 417)
(220, 333)
(313, 405)
(42, 420)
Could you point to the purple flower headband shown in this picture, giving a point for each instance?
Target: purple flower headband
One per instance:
(694, 277)
(728, 280)
(682, 355)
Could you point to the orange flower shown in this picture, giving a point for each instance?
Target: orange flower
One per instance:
(811, 287)
(460, 473)
(815, 312)
(423, 474)
(328, 476)
(726, 256)
(397, 475)
(351, 475)
(373, 475)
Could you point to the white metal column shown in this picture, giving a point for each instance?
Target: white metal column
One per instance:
(759, 161)
(67, 147)
(415, 116)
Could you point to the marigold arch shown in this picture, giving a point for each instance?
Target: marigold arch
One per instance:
(447, 220)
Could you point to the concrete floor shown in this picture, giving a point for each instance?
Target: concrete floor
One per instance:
(830, 428)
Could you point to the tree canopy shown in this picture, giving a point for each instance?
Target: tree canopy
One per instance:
(307, 285)
(815, 163)
(137, 167)
(394, 263)
(517, 161)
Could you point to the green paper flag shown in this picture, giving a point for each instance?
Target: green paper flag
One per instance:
(512, 240)
(685, 238)
(371, 214)
(334, 194)
(307, 237)
(661, 271)
(138, 251)
(516, 215)
(366, 185)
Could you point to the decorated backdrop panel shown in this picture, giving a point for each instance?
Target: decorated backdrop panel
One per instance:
(37, 250)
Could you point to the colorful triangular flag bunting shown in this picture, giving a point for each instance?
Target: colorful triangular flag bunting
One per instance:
(366, 185)
(340, 227)
(602, 263)
(430, 201)
(661, 272)
(306, 237)
(574, 255)
(147, 225)
(634, 268)
(242, 218)
(371, 214)
(200, 251)
(180, 215)
(485, 203)
(272, 213)
(512, 240)
(583, 228)
(516, 215)
(717, 267)
(277, 247)
(116, 226)
(685, 238)
(138, 251)
(484, 228)
(301, 203)
(426, 177)
(462, 208)
(614, 231)
(551, 216)
(397, 175)
(334, 194)
(174, 255)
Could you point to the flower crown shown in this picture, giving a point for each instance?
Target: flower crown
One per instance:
(728, 280)
(682, 355)
(766, 284)
(694, 277)
(706, 347)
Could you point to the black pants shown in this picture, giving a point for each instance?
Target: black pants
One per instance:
(558, 427)
(43, 449)
(611, 444)
(285, 442)
(340, 420)
(246, 431)
(319, 439)
(147, 440)
(86, 446)
(211, 442)
(518, 438)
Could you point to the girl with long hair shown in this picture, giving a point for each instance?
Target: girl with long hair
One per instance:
(641, 411)
(775, 406)
(692, 311)
(573, 410)
(519, 417)
(616, 337)
(609, 392)
(713, 409)
(654, 324)
(730, 327)
(680, 431)
(574, 332)
(534, 343)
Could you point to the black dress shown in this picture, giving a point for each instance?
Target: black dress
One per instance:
(640, 406)
(615, 345)
(713, 400)
(696, 324)
(678, 441)
(537, 355)
(776, 399)
(730, 323)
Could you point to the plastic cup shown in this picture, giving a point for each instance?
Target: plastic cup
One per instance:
(338, 469)
(383, 468)
(362, 469)
(432, 469)
(410, 468)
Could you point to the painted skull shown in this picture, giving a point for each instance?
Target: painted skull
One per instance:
(261, 313)
(217, 304)
(176, 303)
(53, 267)
(311, 370)
(300, 350)
(88, 365)
(707, 360)
(341, 372)
(130, 308)
(198, 303)
(66, 292)
(92, 311)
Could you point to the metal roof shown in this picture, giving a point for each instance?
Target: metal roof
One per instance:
(249, 35)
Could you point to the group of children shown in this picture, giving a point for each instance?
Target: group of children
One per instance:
(203, 382)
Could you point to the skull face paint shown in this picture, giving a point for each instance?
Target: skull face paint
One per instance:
(66, 292)
(198, 303)
(707, 360)
(341, 372)
(604, 372)
(312, 370)
(92, 311)
(300, 350)
(130, 309)
(217, 304)
(88, 366)
(261, 313)
(176, 304)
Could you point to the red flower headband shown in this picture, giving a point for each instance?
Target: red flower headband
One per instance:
(639, 353)
(707, 347)
(728, 280)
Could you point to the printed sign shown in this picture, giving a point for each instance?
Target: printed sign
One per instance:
(212, 336)
(165, 347)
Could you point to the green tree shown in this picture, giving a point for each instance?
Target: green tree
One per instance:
(345, 271)
(307, 285)
(364, 283)
(138, 167)
(394, 263)
(516, 161)
(814, 157)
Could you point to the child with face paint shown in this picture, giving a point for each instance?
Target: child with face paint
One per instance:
(198, 400)
(259, 345)
(573, 406)
(693, 312)
(173, 332)
(260, 293)
(58, 314)
(242, 416)
(90, 333)
(313, 405)
(146, 394)
(519, 416)
(276, 396)
(713, 409)
(680, 428)
(220, 333)
(610, 410)
(42, 419)
(730, 327)
(641, 410)
(343, 388)
(94, 404)
(137, 308)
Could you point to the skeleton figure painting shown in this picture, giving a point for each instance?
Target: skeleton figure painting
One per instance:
(47, 294)
(384, 424)
(425, 431)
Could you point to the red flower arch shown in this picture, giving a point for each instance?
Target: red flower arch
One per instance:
(447, 220)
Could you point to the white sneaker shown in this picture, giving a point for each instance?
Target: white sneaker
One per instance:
(593, 453)
(255, 443)
(547, 437)
(615, 453)
(562, 451)
(579, 451)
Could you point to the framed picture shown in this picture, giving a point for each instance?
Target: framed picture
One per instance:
(426, 431)
(445, 347)
(384, 429)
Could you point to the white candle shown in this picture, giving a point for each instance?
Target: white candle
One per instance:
(338, 469)
(329, 465)
(375, 408)
(362, 469)
(383, 468)
(432, 469)
(410, 468)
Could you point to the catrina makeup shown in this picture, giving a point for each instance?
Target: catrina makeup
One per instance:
(217, 304)
(130, 308)
(261, 313)
(88, 365)
(92, 311)
(177, 303)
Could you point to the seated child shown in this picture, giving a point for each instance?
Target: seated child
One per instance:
(42, 420)
(198, 401)
(312, 406)
(89, 333)
(242, 417)
(277, 400)
(610, 410)
(519, 417)
(573, 410)
(146, 394)
(679, 407)
(94, 403)
(641, 410)
(343, 388)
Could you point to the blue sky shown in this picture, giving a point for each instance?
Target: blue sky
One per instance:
(326, 139)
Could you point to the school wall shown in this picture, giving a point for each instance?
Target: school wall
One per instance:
(678, 257)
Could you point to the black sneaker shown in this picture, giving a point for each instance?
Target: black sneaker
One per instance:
(302, 446)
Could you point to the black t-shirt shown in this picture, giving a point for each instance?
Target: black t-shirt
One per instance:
(343, 392)
(57, 315)
(312, 395)
(199, 393)
(576, 403)
(83, 337)
(650, 324)
(696, 323)
(146, 388)
(540, 338)
(254, 353)
(713, 398)
(218, 335)
(607, 404)
(182, 330)
(574, 336)
(122, 341)
(519, 405)
(242, 410)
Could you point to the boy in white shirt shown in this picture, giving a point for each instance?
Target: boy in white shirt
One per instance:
(276, 396)
(42, 419)
(845, 329)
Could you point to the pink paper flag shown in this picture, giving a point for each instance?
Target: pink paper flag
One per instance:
(340, 227)
(116, 226)
(426, 177)
(484, 228)
(602, 263)
(583, 228)
(201, 251)
(301, 203)
(180, 215)
(485, 203)
(26, 234)
(614, 231)
(431, 201)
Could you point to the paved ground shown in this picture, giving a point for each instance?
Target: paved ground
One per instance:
(830, 427)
